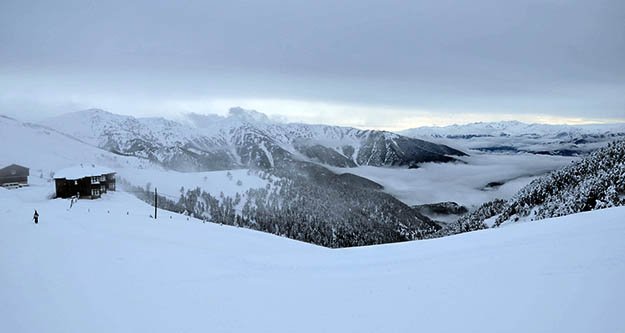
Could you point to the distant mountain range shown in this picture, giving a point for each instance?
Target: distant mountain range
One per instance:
(514, 137)
(244, 138)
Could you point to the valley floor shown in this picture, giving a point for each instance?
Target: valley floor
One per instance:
(106, 266)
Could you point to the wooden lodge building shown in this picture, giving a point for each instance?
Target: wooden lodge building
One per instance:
(14, 176)
(84, 181)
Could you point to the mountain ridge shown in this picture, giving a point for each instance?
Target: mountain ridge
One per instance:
(513, 137)
(245, 138)
(513, 127)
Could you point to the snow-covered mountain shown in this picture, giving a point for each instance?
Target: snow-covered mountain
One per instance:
(515, 136)
(244, 138)
(299, 199)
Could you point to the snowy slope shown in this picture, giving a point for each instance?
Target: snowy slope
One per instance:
(156, 139)
(219, 184)
(514, 136)
(96, 126)
(213, 182)
(105, 266)
(44, 150)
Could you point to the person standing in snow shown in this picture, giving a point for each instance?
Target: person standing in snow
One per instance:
(36, 217)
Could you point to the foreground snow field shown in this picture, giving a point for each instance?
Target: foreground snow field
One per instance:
(105, 266)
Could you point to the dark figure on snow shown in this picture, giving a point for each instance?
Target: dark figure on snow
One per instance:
(36, 217)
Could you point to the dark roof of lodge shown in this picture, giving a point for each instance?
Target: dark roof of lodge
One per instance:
(14, 165)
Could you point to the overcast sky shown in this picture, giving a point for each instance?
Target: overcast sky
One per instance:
(377, 64)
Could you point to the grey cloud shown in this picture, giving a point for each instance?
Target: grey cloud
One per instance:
(484, 55)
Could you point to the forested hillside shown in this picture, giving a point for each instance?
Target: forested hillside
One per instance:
(310, 203)
(595, 182)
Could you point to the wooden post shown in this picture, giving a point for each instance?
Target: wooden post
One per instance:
(155, 201)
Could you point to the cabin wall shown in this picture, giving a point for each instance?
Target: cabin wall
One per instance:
(14, 174)
(66, 188)
(14, 179)
(85, 187)
(110, 182)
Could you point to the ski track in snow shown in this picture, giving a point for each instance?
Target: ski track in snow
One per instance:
(105, 266)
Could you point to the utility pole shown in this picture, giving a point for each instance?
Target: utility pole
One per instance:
(155, 201)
